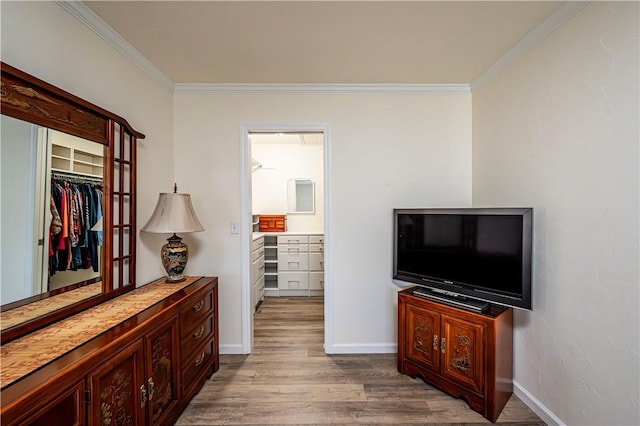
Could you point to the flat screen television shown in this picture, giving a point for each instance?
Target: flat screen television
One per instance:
(470, 257)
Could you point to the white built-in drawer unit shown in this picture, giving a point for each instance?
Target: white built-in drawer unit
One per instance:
(257, 271)
(300, 265)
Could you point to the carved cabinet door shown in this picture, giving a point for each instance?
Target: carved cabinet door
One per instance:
(162, 372)
(118, 395)
(422, 337)
(463, 352)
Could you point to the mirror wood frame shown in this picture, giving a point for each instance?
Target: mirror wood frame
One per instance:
(30, 99)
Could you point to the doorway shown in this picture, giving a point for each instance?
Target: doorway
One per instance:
(285, 172)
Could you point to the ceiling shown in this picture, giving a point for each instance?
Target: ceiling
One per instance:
(314, 42)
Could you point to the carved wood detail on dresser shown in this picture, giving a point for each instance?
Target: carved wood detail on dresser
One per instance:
(141, 368)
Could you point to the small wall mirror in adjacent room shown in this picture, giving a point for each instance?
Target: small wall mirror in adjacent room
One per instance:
(300, 196)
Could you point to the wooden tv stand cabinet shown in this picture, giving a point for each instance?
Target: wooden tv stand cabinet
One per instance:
(465, 354)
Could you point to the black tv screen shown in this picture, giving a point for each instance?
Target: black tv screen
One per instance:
(480, 253)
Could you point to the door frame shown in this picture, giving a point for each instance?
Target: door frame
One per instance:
(246, 230)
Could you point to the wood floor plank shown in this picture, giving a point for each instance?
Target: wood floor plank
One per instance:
(289, 380)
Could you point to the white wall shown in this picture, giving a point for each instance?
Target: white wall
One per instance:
(282, 162)
(558, 131)
(17, 155)
(42, 39)
(386, 151)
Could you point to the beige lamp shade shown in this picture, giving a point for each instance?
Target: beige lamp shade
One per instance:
(173, 214)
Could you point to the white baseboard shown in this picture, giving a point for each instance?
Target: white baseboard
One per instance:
(374, 348)
(231, 350)
(536, 406)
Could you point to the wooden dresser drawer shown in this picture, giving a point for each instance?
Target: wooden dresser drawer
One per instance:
(198, 365)
(195, 337)
(196, 309)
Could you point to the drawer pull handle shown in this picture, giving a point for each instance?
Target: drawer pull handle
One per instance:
(443, 345)
(198, 306)
(199, 360)
(198, 334)
(435, 342)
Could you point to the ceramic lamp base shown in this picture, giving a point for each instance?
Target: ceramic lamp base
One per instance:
(174, 256)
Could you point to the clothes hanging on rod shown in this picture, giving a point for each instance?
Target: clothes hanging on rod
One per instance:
(76, 206)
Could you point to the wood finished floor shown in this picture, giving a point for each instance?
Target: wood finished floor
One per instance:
(289, 380)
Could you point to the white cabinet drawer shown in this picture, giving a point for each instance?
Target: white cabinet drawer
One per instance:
(293, 262)
(257, 270)
(293, 240)
(316, 248)
(257, 291)
(316, 262)
(316, 280)
(257, 243)
(293, 281)
(316, 239)
(300, 248)
(257, 254)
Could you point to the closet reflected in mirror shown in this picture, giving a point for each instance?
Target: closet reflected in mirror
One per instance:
(51, 206)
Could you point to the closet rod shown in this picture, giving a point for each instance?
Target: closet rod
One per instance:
(75, 178)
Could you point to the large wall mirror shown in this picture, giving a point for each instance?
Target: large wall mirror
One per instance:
(300, 196)
(67, 201)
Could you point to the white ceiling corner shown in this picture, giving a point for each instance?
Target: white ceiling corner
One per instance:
(86, 16)
(559, 17)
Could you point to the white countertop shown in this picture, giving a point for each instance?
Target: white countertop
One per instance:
(257, 235)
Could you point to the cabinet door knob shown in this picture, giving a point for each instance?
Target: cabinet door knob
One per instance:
(443, 345)
(198, 306)
(151, 388)
(143, 396)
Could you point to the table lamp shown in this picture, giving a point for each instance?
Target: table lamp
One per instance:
(173, 213)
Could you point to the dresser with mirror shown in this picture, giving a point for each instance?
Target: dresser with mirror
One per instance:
(80, 343)
(35, 116)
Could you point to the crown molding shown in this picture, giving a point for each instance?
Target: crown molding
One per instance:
(86, 16)
(319, 89)
(535, 36)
